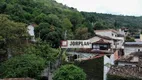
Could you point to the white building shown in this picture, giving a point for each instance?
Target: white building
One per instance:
(109, 33)
(131, 47)
(113, 34)
(129, 60)
(31, 32)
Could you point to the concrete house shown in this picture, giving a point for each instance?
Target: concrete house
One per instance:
(131, 47)
(111, 33)
(128, 67)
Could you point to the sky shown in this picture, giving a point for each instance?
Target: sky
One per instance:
(123, 7)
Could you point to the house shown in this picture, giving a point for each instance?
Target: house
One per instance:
(123, 32)
(131, 47)
(31, 32)
(107, 39)
(111, 33)
(129, 66)
(98, 48)
(138, 38)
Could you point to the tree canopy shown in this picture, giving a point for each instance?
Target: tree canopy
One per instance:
(69, 72)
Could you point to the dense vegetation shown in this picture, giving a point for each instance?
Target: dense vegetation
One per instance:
(112, 21)
(53, 19)
(69, 72)
(27, 65)
(54, 22)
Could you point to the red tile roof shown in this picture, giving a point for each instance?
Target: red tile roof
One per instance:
(101, 41)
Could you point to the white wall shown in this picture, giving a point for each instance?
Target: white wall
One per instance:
(107, 33)
(114, 36)
(120, 42)
(106, 68)
(81, 55)
(128, 50)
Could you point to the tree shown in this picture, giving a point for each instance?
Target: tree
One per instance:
(43, 50)
(41, 18)
(69, 72)
(54, 20)
(129, 39)
(26, 65)
(99, 26)
(66, 24)
(50, 34)
(13, 34)
(81, 33)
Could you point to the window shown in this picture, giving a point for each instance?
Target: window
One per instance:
(139, 50)
(100, 47)
(96, 47)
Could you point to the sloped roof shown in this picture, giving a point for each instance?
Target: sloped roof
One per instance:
(106, 30)
(134, 44)
(125, 71)
(101, 41)
(137, 53)
(106, 37)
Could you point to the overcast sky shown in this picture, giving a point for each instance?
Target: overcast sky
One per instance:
(124, 7)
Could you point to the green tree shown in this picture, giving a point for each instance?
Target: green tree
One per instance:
(54, 20)
(43, 50)
(130, 39)
(81, 33)
(69, 72)
(26, 65)
(66, 24)
(13, 34)
(50, 34)
(41, 18)
(99, 26)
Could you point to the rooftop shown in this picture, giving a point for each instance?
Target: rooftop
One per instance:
(105, 37)
(125, 71)
(106, 30)
(101, 41)
(139, 44)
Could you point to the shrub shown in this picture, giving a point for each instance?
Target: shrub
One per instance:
(69, 72)
(26, 65)
(43, 50)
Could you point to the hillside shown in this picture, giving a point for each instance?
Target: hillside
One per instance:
(54, 20)
(114, 21)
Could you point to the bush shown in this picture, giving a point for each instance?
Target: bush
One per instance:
(69, 72)
(130, 39)
(43, 50)
(26, 65)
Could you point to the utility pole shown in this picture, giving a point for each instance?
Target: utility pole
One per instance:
(62, 50)
(65, 35)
